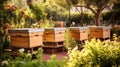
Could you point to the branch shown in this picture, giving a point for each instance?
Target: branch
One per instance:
(91, 9)
(88, 7)
(104, 7)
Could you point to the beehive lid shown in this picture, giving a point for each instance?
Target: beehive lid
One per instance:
(27, 30)
(78, 28)
(55, 29)
(100, 27)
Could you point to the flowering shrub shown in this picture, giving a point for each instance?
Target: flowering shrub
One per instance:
(22, 59)
(96, 54)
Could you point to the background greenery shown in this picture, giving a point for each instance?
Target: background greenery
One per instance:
(38, 14)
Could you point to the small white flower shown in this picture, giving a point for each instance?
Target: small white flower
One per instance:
(21, 50)
(5, 62)
(34, 52)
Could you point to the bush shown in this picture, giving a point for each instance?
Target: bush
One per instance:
(115, 30)
(22, 59)
(85, 18)
(96, 54)
(111, 17)
(69, 41)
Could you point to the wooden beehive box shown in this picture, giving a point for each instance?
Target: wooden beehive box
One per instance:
(26, 37)
(54, 35)
(59, 24)
(100, 32)
(79, 33)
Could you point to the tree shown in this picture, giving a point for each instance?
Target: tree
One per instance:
(115, 14)
(95, 6)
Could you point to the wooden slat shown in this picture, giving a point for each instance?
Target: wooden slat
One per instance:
(21, 42)
(53, 36)
(36, 41)
(83, 34)
(26, 40)
(99, 33)
(78, 34)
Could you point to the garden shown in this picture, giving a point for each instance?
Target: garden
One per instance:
(87, 32)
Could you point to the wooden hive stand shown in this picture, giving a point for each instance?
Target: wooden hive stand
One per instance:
(53, 47)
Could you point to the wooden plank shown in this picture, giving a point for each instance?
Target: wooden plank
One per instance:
(36, 41)
(96, 34)
(26, 38)
(106, 33)
(48, 38)
(100, 32)
(21, 42)
(78, 34)
(53, 36)
(52, 49)
(83, 34)
(59, 37)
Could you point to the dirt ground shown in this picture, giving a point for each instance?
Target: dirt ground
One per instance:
(59, 55)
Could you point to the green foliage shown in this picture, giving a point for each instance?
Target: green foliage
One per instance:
(113, 15)
(38, 12)
(74, 2)
(95, 6)
(79, 19)
(115, 30)
(86, 18)
(65, 4)
(96, 54)
(108, 16)
(96, 3)
(22, 59)
(69, 41)
(46, 24)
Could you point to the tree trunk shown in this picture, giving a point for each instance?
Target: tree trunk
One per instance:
(97, 19)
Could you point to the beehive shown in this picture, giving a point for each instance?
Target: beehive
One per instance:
(79, 33)
(54, 35)
(59, 24)
(26, 37)
(100, 32)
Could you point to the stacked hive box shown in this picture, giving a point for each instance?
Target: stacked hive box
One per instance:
(26, 37)
(100, 32)
(53, 37)
(79, 33)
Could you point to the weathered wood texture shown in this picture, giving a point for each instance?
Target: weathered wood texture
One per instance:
(100, 32)
(26, 38)
(53, 49)
(79, 33)
(54, 35)
(53, 39)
